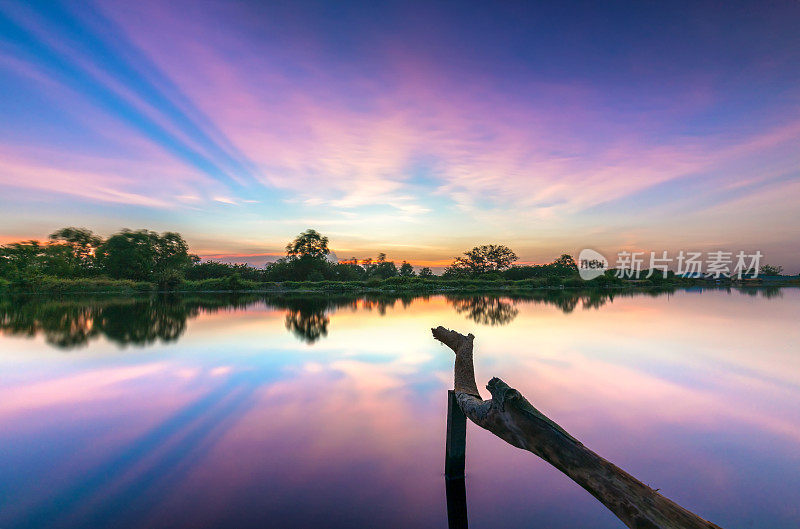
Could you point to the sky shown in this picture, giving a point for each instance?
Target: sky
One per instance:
(418, 129)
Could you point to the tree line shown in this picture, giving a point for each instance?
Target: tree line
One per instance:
(73, 253)
(164, 258)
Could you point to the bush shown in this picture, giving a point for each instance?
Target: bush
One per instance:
(234, 282)
(169, 280)
(374, 282)
(55, 285)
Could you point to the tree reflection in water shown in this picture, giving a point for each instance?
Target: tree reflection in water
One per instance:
(74, 322)
(309, 321)
(486, 310)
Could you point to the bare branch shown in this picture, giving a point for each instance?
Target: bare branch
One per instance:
(464, 379)
(511, 417)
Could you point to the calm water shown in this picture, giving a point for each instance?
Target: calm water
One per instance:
(222, 411)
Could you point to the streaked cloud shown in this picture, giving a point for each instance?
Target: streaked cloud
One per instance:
(396, 134)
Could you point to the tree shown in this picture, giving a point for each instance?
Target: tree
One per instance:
(310, 243)
(382, 268)
(565, 264)
(80, 245)
(21, 257)
(171, 253)
(347, 271)
(144, 255)
(70, 253)
(425, 272)
(406, 270)
(482, 259)
(305, 260)
(215, 269)
(128, 255)
(770, 270)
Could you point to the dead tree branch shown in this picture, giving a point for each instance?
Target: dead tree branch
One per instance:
(511, 417)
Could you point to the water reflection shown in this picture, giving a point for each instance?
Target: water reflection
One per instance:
(240, 424)
(69, 323)
(486, 310)
(456, 492)
(309, 320)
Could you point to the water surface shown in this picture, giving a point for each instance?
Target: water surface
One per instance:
(263, 411)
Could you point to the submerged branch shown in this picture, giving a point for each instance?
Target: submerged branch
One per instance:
(511, 417)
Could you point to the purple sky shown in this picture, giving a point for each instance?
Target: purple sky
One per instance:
(417, 129)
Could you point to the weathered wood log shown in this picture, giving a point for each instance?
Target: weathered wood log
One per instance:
(511, 417)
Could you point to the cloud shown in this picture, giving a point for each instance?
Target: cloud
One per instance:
(178, 107)
(548, 154)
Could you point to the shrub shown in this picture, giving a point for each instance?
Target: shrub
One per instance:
(553, 281)
(374, 282)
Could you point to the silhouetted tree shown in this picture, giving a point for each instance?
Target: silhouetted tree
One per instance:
(305, 260)
(425, 272)
(482, 259)
(310, 243)
(406, 270)
(381, 268)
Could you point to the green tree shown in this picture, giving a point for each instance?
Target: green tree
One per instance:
(128, 255)
(482, 259)
(425, 272)
(79, 247)
(170, 253)
(144, 255)
(305, 260)
(406, 270)
(566, 264)
(19, 257)
(348, 271)
(310, 243)
(382, 268)
(215, 269)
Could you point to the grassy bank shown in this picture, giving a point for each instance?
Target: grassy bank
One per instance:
(53, 285)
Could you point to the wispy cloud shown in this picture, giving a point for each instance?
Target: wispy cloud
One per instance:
(385, 135)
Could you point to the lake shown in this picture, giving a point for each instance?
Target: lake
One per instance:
(291, 411)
